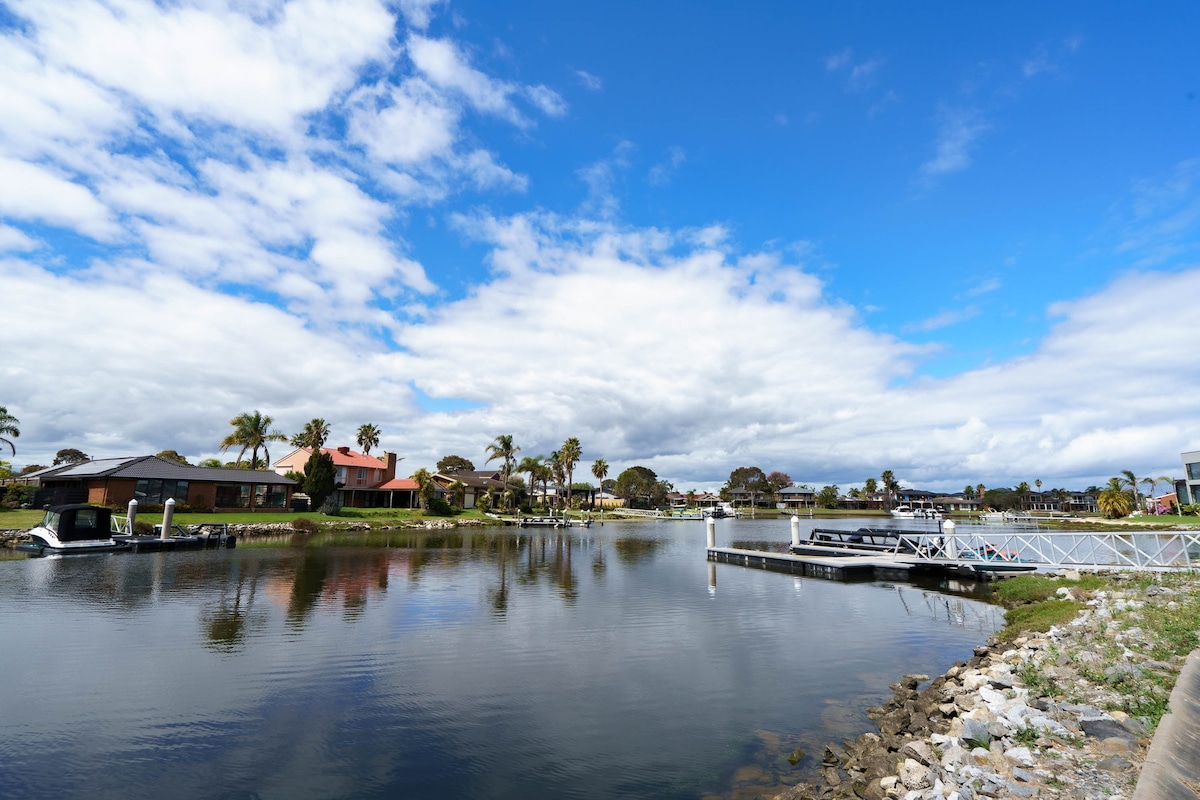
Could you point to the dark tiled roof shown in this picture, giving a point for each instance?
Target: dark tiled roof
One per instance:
(161, 468)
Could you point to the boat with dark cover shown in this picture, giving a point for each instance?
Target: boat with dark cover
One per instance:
(74, 529)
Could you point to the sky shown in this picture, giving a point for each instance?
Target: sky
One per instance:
(959, 243)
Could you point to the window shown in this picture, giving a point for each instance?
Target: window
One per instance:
(268, 496)
(1193, 471)
(233, 495)
(156, 492)
(362, 474)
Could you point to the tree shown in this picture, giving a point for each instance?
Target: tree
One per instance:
(979, 490)
(968, 491)
(368, 437)
(569, 454)
(558, 468)
(1023, 493)
(8, 427)
(458, 492)
(320, 477)
(451, 464)
(531, 465)
(1113, 501)
(503, 448)
(69, 455)
(172, 455)
(600, 471)
(314, 435)
(779, 480)
(890, 485)
(870, 486)
(251, 432)
(211, 463)
(1131, 481)
(828, 497)
(637, 485)
(425, 485)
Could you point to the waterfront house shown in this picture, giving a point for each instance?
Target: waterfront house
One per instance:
(363, 481)
(791, 497)
(1187, 490)
(475, 485)
(152, 481)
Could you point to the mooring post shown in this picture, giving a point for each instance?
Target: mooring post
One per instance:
(131, 517)
(168, 513)
(795, 531)
(950, 543)
(711, 525)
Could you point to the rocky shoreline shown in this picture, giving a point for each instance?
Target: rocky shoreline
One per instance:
(1035, 717)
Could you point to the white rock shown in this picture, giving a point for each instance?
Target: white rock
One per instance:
(915, 775)
(1019, 755)
(888, 782)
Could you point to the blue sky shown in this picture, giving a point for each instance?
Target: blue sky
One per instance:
(957, 243)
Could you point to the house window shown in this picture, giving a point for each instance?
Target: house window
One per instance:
(269, 496)
(362, 474)
(158, 492)
(1193, 471)
(233, 495)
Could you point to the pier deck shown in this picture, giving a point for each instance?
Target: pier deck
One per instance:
(837, 567)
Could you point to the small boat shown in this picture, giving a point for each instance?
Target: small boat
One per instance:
(74, 529)
(829, 541)
(921, 509)
(721, 511)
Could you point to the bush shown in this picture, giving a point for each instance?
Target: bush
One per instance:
(18, 495)
(141, 528)
(304, 525)
(439, 508)
(331, 507)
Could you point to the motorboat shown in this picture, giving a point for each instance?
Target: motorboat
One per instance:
(832, 541)
(920, 509)
(73, 529)
(721, 511)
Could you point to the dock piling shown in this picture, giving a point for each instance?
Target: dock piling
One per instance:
(795, 531)
(131, 517)
(949, 542)
(168, 513)
(711, 525)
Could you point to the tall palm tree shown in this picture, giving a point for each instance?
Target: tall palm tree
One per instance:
(600, 472)
(890, 486)
(530, 465)
(314, 435)
(8, 427)
(502, 447)
(252, 432)
(570, 453)
(368, 437)
(1166, 480)
(424, 482)
(870, 486)
(1113, 500)
(1131, 481)
(1023, 493)
(968, 491)
(557, 470)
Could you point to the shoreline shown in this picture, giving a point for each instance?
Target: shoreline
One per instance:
(1042, 715)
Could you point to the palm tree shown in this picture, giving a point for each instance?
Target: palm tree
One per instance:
(1113, 501)
(1022, 493)
(890, 486)
(570, 453)
(968, 491)
(1131, 481)
(368, 437)
(8, 427)
(557, 469)
(251, 432)
(870, 486)
(600, 471)
(530, 464)
(502, 447)
(458, 492)
(424, 485)
(314, 435)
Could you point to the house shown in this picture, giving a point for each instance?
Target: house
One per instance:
(957, 502)
(363, 481)
(795, 497)
(475, 485)
(1187, 490)
(152, 481)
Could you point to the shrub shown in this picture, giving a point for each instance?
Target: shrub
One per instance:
(439, 508)
(331, 507)
(305, 525)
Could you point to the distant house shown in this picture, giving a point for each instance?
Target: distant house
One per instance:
(152, 481)
(363, 481)
(1187, 490)
(475, 485)
(795, 497)
(957, 502)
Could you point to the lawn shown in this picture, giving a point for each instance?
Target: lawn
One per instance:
(25, 519)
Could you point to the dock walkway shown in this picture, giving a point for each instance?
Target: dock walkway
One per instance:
(836, 567)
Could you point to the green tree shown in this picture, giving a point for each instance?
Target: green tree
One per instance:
(1130, 481)
(600, 471)
(569, 454)
(320, 478)
(1023, 494)
(503, 448)
(531, 466)
(172, 455)
(211, 463)
(748, 479)
(314, 435)
(425, 486)
(870, 486)
(367, 437)
(251, 432)
(968, 491)
(8, 427)
(451, 464)
(638, 486)
(1113, 501)
(778, 480)
(828, 497)
(890, 485)
(558, 469)
(69, 455)
(457, 491)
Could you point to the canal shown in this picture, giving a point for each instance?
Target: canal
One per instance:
(611, 662)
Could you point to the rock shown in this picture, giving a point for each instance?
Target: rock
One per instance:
(1104, 728)
(1113, 764)
(915, 775)
(1019, 755)
(981, 756)
(1023, 776)
(1115, 744)
(919, 751)
(894, 722)
(975, 733)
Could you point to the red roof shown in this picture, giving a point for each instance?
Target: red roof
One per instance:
(345, 457)
(398, 483)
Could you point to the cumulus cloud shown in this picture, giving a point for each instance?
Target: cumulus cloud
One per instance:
(589, 81)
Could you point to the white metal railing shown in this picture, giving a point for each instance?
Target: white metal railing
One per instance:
(637, 512)
(1140, 550)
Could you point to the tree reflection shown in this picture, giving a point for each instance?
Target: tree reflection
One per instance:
(631, 551)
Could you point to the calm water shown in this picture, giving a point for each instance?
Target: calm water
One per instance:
(614, 662)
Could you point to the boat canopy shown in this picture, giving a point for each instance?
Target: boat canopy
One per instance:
(79, 523)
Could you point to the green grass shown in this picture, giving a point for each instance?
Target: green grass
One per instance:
(1036, 588)
(1038, 617)
(25, 519)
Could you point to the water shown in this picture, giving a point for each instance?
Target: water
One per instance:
(613, 662)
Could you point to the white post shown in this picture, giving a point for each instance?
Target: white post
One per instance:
(795, 531)
(951, 543)
(711, 525)
(131, 517)
(168, 513)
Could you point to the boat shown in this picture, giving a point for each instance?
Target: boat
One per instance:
(831, 541)
(74, 529)
(920, 509)
(721, 511)
(685, 514)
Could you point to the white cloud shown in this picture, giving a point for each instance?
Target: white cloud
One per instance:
(662, 172)
(838, 60)
(419, 13)
(943, 319)
(31, 192)
(12, 239)
(589, 81)
(958, 131)
(859, 76)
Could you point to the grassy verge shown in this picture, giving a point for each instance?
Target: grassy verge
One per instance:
(28, 518)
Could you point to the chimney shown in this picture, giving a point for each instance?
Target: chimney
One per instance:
(389, 471)
(344, 450)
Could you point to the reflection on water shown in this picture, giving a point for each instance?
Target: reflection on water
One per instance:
(615, 662)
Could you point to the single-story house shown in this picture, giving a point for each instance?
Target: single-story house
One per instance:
(475, 485)
(152, 481)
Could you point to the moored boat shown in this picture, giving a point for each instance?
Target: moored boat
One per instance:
(73, 529)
